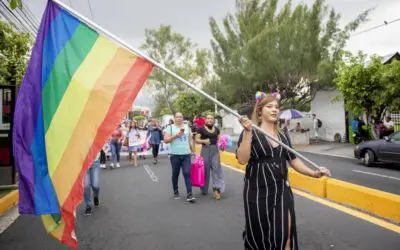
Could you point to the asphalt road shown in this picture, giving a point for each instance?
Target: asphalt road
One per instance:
(137, 212)
(382, 177)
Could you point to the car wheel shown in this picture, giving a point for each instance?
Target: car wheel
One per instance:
(369, 158)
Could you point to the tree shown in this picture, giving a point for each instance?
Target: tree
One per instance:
(192, 104)
(391, 81)
(14, 49)
(293, 51)
(15, 4)
(360, 83)
(178, 54)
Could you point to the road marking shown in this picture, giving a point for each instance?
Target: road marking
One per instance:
(327, 154)
(380, 175)
(341, 208)
(150, 172)
(8, 218)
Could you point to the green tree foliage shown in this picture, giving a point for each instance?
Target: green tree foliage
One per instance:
(391, 83)
(178, 54)
(191, 104)
(359, 84)
(293, 51)
(14, 49)
(15, 3)
(367, 85)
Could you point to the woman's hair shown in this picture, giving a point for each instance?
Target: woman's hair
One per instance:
(255, 117)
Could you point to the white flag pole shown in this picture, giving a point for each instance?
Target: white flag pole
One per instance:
(162, 67)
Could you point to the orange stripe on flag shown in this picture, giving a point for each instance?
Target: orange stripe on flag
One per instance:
(122, 101)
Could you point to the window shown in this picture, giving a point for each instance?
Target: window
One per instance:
(395, 137)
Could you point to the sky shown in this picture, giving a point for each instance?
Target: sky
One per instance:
(129, 18)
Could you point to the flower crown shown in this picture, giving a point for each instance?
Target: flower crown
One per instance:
(261, 95)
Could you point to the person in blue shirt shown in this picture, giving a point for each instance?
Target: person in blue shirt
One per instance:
(156, 136)
(181, 140)
(354, 124)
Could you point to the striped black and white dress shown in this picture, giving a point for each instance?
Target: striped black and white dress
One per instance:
(267, 196)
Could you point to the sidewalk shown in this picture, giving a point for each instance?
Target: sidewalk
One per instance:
(345, 150)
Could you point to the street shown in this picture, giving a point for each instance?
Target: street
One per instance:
(137, 212)
(382, 177)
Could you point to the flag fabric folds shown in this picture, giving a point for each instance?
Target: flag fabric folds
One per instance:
(77, 88)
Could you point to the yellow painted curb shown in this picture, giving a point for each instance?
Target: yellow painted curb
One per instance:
(9, 201)
(305, 183)
(374, 201)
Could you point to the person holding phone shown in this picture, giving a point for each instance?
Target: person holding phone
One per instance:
(181, 147)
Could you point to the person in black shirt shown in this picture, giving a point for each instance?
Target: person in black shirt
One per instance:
(208, 136)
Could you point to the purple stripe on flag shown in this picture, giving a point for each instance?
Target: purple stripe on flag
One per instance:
(26, 113)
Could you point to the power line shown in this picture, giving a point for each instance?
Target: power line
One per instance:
(29, 12)
(5, 6)
(90, 8)
(20, 18)
(385, 23)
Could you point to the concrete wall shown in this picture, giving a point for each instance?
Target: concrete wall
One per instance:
(332, 114)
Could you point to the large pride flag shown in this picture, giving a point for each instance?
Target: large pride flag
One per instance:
(77, 88)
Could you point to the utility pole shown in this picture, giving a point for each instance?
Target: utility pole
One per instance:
(215, 105)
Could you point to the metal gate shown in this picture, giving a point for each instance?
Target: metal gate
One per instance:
(7, 102)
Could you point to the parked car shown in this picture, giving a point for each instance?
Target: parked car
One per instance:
(386, 150)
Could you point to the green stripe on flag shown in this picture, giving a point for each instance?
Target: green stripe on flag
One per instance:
(65, 66)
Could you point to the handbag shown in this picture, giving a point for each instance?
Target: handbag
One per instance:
(197, 174)
(126, 142)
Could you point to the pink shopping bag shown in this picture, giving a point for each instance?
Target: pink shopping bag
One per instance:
(197, 172)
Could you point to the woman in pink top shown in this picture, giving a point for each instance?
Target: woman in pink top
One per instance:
(116, 143)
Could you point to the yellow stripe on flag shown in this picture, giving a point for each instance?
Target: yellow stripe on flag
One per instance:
(92, 117)
(74, 100)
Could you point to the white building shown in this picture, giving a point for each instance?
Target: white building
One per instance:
(331, 113)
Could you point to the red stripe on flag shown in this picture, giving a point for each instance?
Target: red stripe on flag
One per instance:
(122, 101)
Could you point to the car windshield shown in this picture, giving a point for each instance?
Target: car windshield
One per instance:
(395, 137)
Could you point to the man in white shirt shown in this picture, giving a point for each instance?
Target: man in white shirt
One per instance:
(389, 126)
(315, 127)
(388, 123)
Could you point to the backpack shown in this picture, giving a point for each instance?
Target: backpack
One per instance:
(319, 123)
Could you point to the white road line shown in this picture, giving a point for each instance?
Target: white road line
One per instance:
(150, 172)
(8, 218)
(380, 175)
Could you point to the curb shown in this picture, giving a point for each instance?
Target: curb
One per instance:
(374, 201)
(8, 201)
(381, 203)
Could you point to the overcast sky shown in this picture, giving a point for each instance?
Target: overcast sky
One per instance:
(128, 19)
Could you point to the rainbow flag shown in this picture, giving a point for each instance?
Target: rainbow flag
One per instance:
(78, 87)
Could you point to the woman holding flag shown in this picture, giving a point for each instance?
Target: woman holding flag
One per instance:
(268, 199)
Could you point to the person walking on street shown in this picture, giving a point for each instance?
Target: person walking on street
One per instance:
(156, 136)
(134, 143)
(270, 221)
(92, 180)
(115, 144)
(208, 136)
(316, 125)
(180, 138)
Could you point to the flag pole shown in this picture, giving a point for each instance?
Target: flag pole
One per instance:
(173, 74)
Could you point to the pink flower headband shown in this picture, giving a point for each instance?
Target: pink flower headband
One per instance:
(261, 95)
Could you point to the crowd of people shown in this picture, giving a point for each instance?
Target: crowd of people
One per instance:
(267, 195)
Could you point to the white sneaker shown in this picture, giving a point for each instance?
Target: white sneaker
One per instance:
(112, 165)
(102, 165)
(118, 165)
